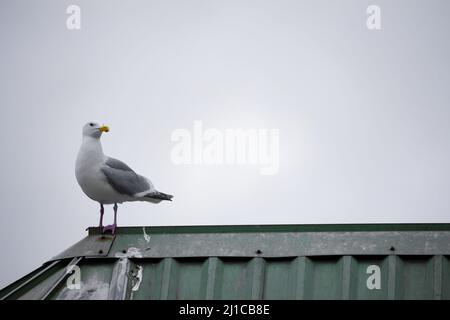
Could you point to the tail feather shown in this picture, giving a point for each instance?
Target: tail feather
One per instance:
(159, 196)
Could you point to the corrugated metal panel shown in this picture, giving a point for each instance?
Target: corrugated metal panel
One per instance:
(252, 262)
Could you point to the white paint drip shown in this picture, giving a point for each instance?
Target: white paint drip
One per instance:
(139, 278)
(146, 236)
(132, 252)
(94, 289)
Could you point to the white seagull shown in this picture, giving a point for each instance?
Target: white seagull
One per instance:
(108, 180)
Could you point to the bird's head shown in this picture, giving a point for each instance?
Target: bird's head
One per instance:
(94, 130)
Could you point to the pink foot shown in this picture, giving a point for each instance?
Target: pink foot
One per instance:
(110, 227)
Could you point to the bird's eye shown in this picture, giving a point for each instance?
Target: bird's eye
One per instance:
(91, 124)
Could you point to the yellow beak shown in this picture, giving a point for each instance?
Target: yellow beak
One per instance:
(103, 128)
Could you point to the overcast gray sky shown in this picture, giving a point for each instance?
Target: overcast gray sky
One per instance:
(362, 114)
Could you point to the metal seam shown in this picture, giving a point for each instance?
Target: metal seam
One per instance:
(29, 280)
(72, 263)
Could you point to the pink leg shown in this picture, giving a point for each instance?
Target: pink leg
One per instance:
(102, 211)
(115, 214)
(112, 227)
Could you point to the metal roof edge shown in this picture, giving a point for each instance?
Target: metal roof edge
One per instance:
(372, 227)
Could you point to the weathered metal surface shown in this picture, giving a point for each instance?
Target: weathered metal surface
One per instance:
(27, 283)
(62, 276)
(285, 244)
(94, 245)
(251, 262)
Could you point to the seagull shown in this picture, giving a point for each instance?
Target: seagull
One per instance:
(108, 180)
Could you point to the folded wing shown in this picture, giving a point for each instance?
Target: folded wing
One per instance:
(124, 180)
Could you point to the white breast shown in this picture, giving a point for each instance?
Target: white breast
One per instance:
(89, 175)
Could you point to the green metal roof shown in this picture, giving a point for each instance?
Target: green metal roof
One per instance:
(249, 262)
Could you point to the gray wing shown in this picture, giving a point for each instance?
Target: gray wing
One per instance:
(123, 179)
